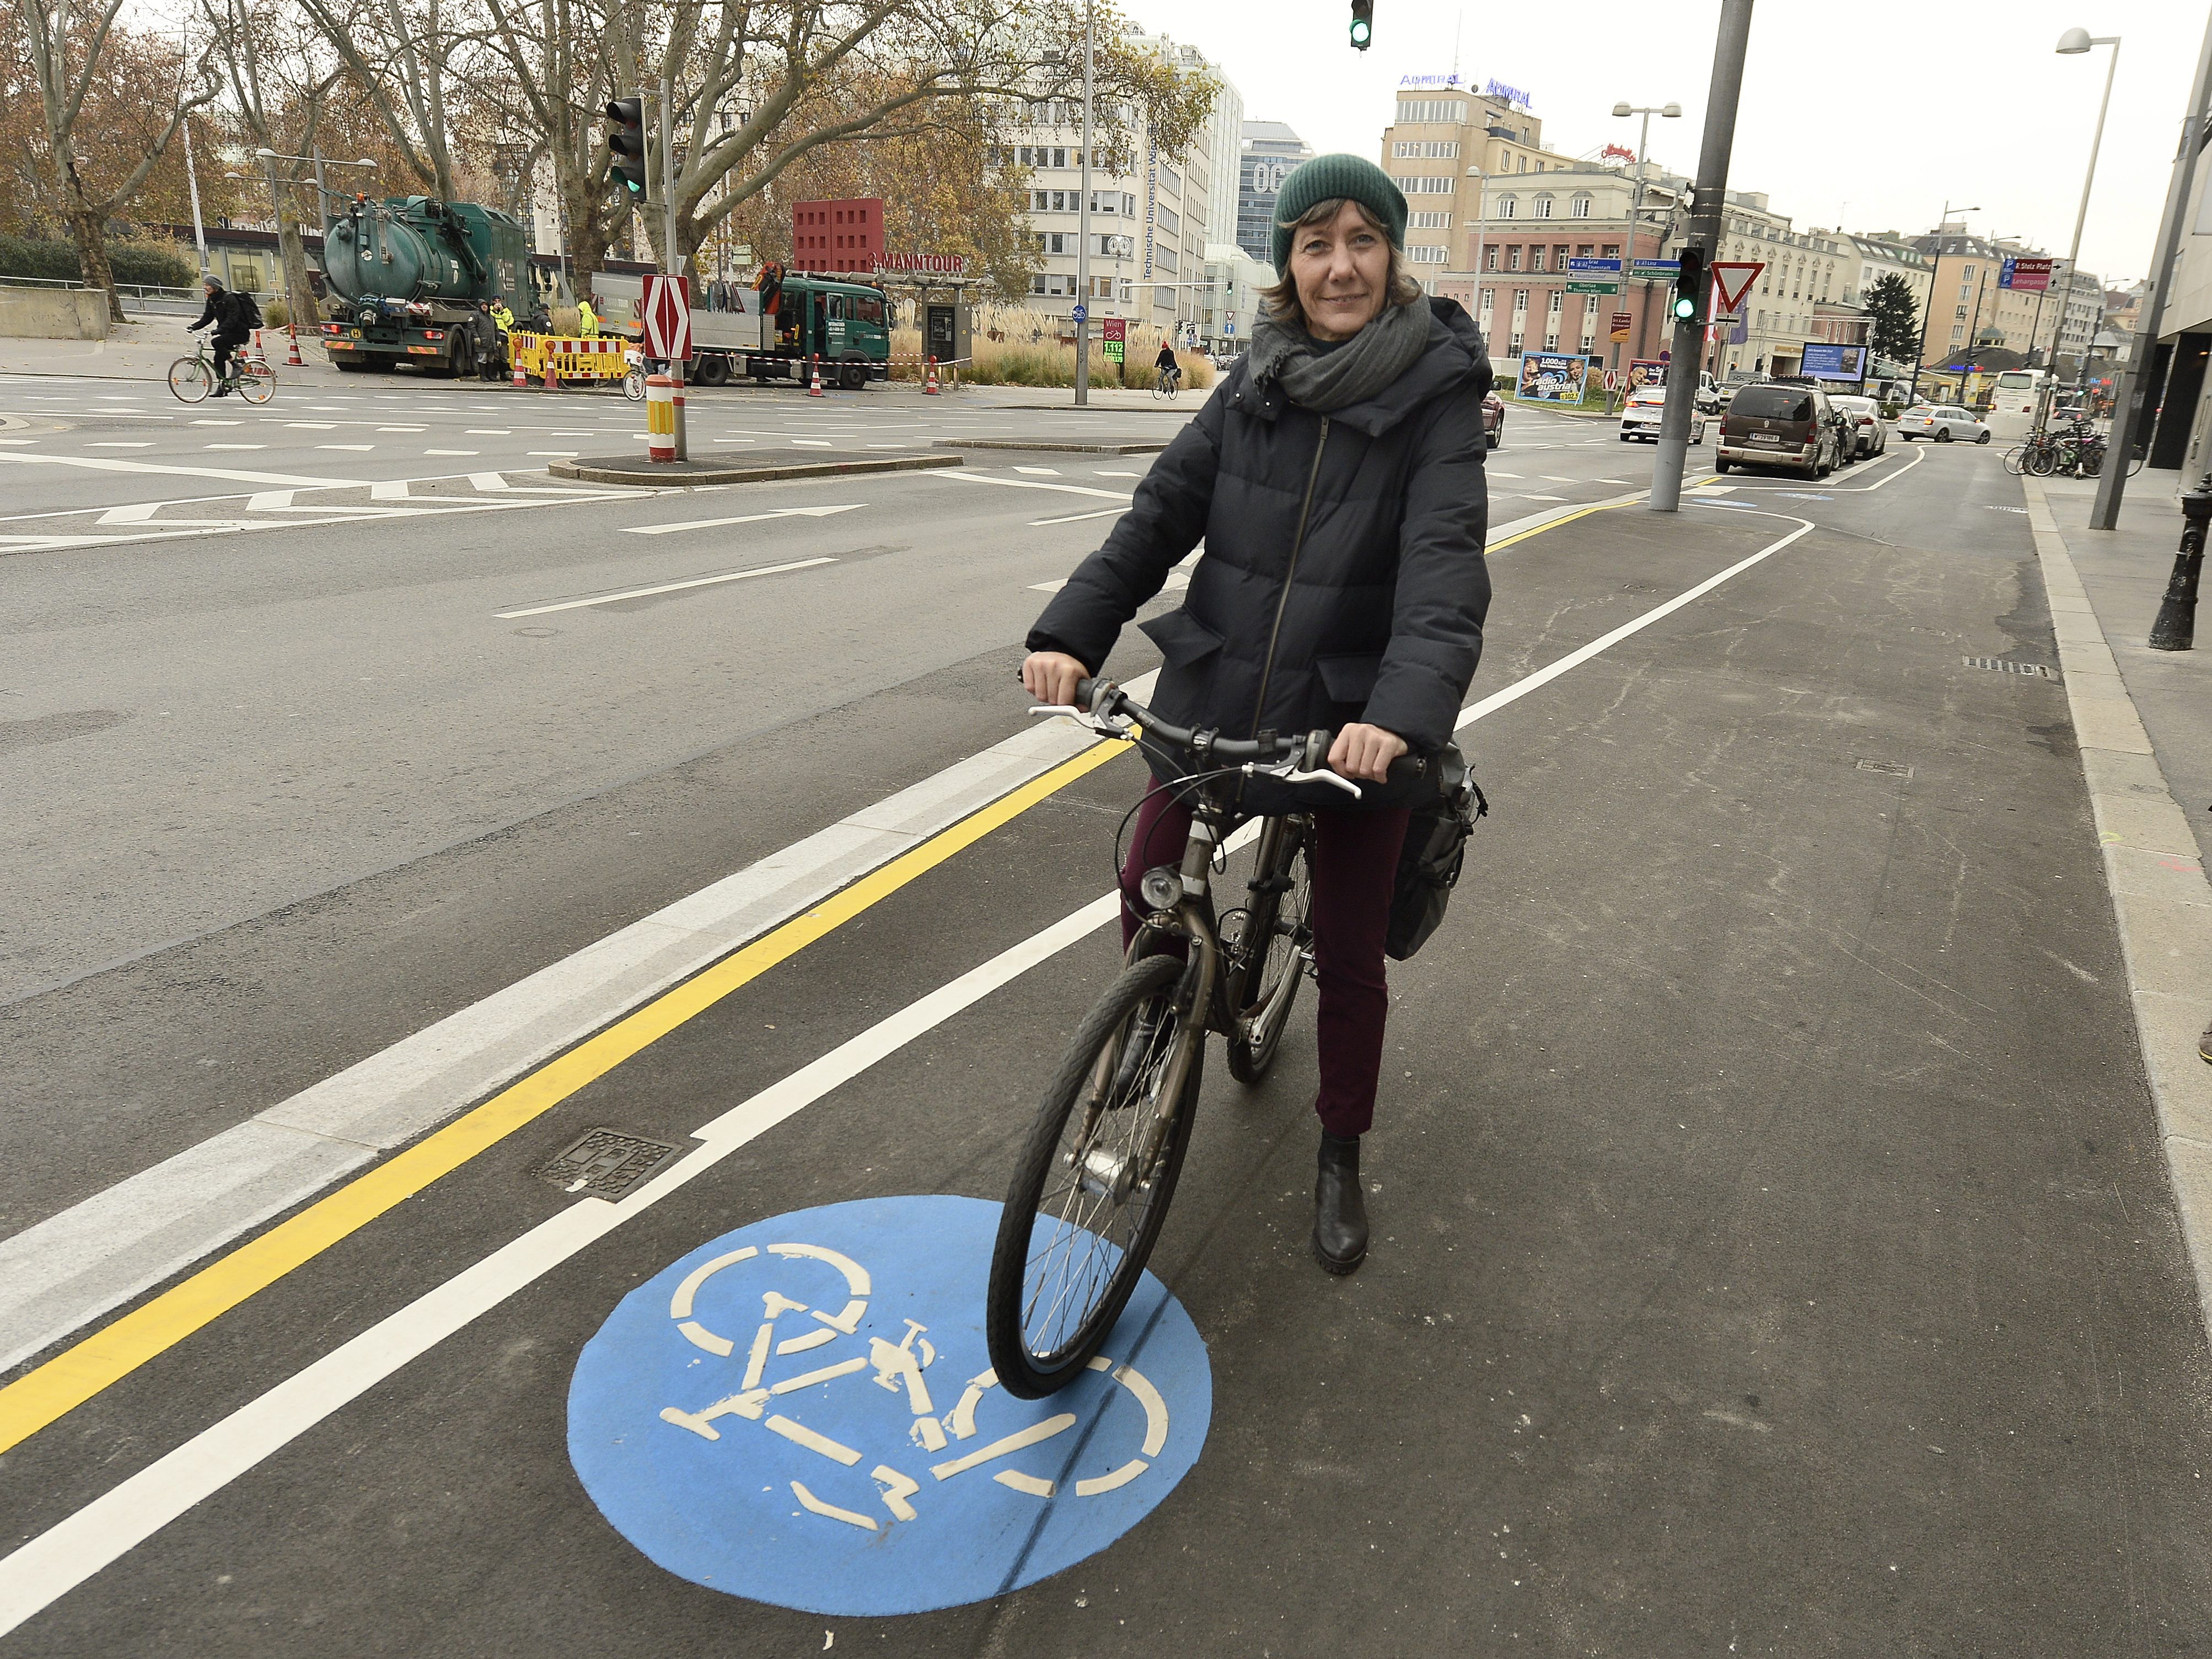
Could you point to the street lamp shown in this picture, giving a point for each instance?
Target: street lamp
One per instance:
(1668, 113)
(1928, 310)
(2073, 44)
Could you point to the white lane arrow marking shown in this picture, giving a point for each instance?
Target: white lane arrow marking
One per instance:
(749, 518)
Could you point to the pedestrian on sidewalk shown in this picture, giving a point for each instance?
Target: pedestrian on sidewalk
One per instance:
(1335, 477)
(235, 317)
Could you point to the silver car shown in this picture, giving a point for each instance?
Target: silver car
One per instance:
(1946, 424)
(1646, 406)
(1866, 421)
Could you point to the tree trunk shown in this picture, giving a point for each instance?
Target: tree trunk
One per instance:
(87, 231)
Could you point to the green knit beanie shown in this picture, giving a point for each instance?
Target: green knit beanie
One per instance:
(1325, 179)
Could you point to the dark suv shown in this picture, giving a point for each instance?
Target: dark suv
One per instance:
(1776, 423)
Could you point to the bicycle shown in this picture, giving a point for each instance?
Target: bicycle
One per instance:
(1168, 382)
(1092, 1182)
(191, 378)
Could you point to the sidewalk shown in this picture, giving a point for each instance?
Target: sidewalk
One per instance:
(2147, 759)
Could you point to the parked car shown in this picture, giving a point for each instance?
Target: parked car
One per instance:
(1774, 424)
(1870, 436)
(1493, 419)
(1646, 406)
(1946, 424)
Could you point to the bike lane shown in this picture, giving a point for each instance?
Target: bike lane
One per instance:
(1770, 1243)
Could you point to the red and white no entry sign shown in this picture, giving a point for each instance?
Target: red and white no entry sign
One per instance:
(665, 311)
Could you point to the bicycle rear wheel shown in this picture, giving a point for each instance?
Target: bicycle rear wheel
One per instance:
(2042, 461)
(1080, 1218)
(1276, 926)
(190, 379)
(257, 382)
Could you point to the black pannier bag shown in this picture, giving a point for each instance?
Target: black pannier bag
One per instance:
(1436, 847)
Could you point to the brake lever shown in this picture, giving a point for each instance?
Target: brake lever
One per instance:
(1326, 776)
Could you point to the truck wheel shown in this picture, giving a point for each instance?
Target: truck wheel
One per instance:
(854, 375)
(462, 362)
(350, 364)
(713, 371)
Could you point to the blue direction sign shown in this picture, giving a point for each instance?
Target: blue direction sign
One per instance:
(1667, 267)
(1081, 314)
(1585, 267)
(802, 1412)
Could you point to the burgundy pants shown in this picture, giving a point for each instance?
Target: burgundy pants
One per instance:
(1355, 866)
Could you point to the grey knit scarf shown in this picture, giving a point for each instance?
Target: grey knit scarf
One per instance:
(1355, 371)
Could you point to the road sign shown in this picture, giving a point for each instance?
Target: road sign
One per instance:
(1593, 288)
(665, 310)
(1612, 380)
(1622, 322)
(1589, 267)
(1230, 329)
(2026, 276)
(1655, 267)
(1080, 314)
(802, 1412)
(1115, 332)
(1732, 279)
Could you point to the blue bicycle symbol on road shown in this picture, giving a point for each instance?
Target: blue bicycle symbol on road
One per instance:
(771, 1369)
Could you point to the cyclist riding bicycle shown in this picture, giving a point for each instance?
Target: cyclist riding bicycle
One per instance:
(1336, 477)
(236, 316)
(1170, 371)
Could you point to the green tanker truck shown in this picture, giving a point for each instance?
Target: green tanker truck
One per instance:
(410, 277)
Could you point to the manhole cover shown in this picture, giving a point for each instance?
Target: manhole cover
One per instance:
(1999, 665)
(606, 1163)
(1888, 768)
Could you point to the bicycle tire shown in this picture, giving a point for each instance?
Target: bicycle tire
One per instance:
(257, 383)
(2090, 463)
(634, 385)
(2015, 460)
(1070, 1336)
(190, 380)
(1284, 917)
(2041, 462)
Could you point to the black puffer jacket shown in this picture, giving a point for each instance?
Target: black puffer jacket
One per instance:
(1343, 576)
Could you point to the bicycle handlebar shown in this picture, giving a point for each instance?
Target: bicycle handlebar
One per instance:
(1307, 755)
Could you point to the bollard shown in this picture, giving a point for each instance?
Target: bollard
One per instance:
(659, 418)
(293, 360)
(2176, 627)
(815, 391)
(929, 385)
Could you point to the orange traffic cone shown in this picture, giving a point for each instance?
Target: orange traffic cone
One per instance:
(552, 378)
(815, 391)
(514, 358)
(929, 385)
(293, 360)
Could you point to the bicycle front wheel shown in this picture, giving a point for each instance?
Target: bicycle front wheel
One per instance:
(2042, 463)
(257, 382)
(634, 385)
(1081, 1214)
(2015, 460)
(190, 379)
(1276, 929)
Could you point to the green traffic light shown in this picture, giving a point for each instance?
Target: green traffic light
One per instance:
(1362, 31)
(1685, 308)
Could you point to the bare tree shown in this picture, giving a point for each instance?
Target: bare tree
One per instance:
(401, 56)
(71, 54)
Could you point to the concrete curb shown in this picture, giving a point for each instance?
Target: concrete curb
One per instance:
(1046, 444)
(636, 470)
(2161, 900)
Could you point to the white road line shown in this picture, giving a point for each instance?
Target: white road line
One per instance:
(1076, 518)
(663, 587)
(65, 1555)
(968, 475)
(105, 463)
(748, 518)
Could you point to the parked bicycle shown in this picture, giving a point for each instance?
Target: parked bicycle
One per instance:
(1091, 1184)
(191, 378)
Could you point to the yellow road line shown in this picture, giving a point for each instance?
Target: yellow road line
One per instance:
(75, 1374)
(1554, 524)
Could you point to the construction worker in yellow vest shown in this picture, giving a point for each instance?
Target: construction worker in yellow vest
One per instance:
(587, 320)
(501, 317)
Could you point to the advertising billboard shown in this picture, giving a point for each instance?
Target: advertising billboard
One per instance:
(1825, 361)
(1553, 377)
(1645, 371)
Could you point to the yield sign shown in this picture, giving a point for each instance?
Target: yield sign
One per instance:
(665, 310)
(1734, 278)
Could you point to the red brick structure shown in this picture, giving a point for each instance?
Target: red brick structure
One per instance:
(843, 235)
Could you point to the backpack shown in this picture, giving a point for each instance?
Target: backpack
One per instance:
(1434, 851)
(242, 314)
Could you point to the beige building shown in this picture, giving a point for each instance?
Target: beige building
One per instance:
(1809, 281)
(1445, 143)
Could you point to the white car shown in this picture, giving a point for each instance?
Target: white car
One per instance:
(1646, 407)
(1872, 436)
(1947, 423)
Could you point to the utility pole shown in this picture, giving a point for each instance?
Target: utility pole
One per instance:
(670, 264)
(2128, 408)
(1706, 217)
(1083, 248)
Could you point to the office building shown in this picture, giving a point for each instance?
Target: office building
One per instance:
(1271, 153)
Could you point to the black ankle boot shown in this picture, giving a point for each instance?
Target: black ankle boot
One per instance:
(1340, 1234)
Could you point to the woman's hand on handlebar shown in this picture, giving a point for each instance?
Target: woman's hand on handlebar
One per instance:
(1050, 677)
(1363, 752)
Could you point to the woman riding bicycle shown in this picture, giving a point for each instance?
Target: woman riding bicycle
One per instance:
(1170, 371)
(1336, 477)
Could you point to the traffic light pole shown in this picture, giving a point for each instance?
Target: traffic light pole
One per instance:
(1705, 224)
(670, 264)
(1082, 244)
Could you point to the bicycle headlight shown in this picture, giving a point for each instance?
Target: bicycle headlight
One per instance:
(1161, 888)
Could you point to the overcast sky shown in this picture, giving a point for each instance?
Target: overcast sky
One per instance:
(1870, 114)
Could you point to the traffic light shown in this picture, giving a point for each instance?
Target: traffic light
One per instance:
(1363, 24)
(626, 139)
(1690, 286)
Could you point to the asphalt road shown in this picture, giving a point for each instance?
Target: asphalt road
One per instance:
(1772, 1255)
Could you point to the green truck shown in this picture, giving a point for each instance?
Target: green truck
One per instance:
(847, 324)
(410, 278)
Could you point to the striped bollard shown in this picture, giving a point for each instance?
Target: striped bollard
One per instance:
(659, 418)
